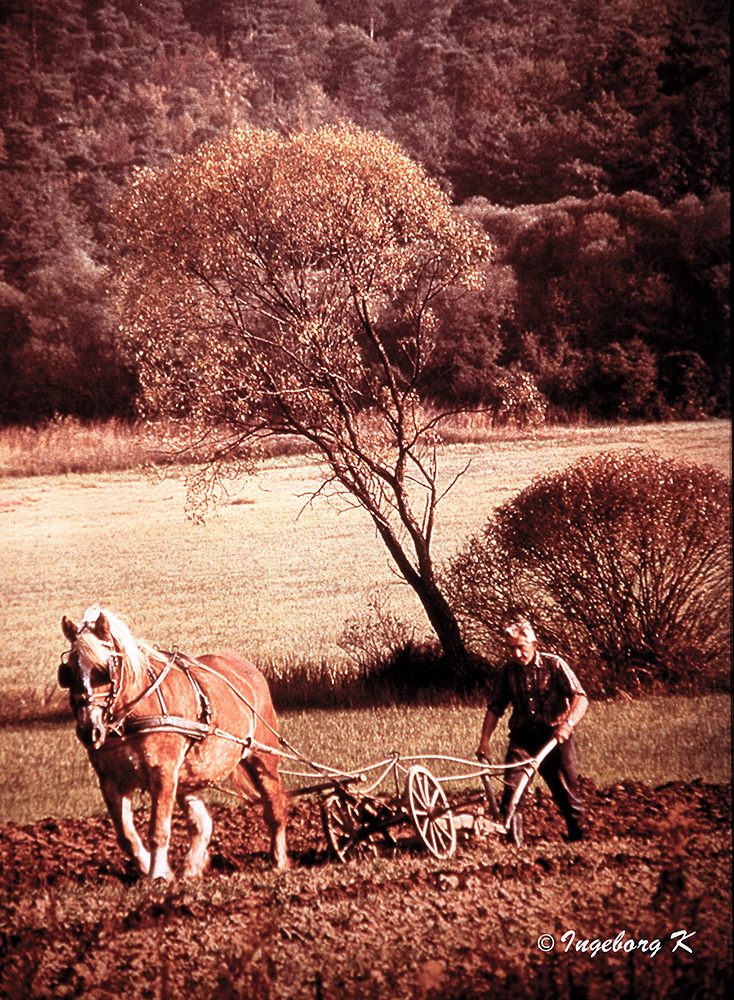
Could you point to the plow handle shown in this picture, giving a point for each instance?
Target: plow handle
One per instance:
(489, 792)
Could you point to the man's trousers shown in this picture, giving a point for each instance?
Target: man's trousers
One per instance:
(558, 770)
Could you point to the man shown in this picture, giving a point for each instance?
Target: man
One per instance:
(547, 701)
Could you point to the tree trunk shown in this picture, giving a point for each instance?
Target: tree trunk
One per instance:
(445, 625)
(423, 582)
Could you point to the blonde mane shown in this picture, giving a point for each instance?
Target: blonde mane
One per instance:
(135, 654)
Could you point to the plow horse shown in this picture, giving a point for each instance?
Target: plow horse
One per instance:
(171, 725)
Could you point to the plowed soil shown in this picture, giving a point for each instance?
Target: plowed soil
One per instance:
(597, 919)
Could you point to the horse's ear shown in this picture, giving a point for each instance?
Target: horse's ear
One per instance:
(102, 627)
(69, 629)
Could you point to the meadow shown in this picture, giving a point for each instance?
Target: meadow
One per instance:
(275, 576)
(44, 771)
(269, 573)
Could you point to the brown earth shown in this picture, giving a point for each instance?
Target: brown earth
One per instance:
(74, 922)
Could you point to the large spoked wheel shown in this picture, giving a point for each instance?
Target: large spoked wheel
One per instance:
(430, 812)
(340, 819)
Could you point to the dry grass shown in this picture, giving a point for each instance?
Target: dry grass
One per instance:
(66, 445)
(267, 574)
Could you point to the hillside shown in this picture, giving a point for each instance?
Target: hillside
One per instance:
(589, 138)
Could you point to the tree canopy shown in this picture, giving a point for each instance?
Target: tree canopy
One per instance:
(558, 119)
(288, 286)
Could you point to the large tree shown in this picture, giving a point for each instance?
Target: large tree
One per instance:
(288, 286)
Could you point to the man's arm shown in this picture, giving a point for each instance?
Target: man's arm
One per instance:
(577, 710)
(488, 727)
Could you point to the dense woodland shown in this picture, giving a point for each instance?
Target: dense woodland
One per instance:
(589, 138)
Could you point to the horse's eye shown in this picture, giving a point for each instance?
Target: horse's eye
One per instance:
(98, 676)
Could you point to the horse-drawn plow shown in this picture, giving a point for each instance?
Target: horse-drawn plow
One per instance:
(172, 725)
(362, 809)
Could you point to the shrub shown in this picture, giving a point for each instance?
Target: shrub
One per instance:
(393, 664)
(687, 386)
(373, 637)
(620, 381)
(420, 673)
(622, 561)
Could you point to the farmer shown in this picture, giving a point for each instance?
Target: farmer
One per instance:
(547, 701)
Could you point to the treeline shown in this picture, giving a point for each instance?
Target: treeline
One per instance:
(589, 137)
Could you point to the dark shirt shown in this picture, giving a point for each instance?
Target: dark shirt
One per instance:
(540, 693)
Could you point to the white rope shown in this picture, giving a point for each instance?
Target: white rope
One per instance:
(394, 761)
(478, 767)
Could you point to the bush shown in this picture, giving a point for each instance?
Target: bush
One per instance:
(372, 638)
(420, 673)
(622, 561)
(392, 664)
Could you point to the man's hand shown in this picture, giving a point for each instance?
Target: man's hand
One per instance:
(563, 731)
(483, 753)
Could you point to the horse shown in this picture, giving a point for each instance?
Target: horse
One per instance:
(171, 725)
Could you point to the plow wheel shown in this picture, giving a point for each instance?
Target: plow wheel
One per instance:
(340, 819)
(430, 812)
(355, 825)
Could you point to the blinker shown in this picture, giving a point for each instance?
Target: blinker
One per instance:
(65, 676)
(114, 666)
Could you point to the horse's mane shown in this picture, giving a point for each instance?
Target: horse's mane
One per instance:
(135, 653)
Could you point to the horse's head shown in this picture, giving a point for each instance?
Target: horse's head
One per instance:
(90, 671)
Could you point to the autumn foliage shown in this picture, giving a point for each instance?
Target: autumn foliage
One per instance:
(622, 562)
(289, 286)
(590, 138)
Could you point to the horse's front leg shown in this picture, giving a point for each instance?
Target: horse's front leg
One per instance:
(120, 809)
(162, 786)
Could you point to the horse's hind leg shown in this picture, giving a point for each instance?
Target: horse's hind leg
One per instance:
(199, 824)
(264, 776)
(121, 810)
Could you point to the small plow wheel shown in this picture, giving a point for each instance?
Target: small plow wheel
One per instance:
(340, 819)
(430, 812)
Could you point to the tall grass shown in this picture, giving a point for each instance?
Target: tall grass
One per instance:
(44, 770)
(67, 445)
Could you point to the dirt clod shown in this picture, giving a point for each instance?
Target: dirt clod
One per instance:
(597, 919)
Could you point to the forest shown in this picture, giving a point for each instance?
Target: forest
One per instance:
(588, 138)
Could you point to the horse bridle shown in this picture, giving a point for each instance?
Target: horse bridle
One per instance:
(88, 699)
(194, 730)
(106, 699)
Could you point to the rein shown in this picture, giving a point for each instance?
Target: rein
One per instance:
(295, 754)
(194, 729)
(198, 730)
(118, 725)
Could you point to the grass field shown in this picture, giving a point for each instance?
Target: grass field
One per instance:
(44, 770)
(268, 574)
(277, 586)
